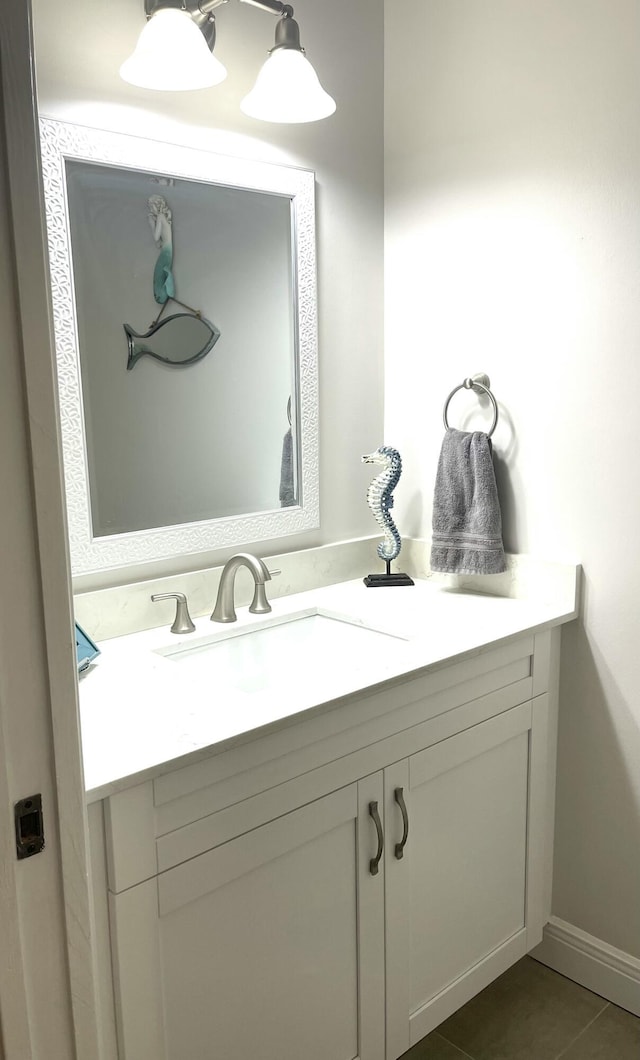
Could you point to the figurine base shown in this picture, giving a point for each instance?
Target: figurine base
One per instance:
(373, 581)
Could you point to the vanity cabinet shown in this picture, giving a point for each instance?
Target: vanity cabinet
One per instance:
(336, 889)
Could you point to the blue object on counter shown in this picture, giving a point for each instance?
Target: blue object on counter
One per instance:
(86, 650)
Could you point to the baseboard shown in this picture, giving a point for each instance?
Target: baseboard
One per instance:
(607, 971)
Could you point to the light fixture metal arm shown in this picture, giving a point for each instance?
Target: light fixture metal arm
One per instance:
(192, 7)
(207, 6)
(275, 7)
(201, 11)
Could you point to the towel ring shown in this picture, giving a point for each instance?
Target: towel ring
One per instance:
(474, 383)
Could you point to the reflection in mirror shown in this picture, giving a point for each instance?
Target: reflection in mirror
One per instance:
(185, 337)
(162, 451)
(159, 463)
(181, 339)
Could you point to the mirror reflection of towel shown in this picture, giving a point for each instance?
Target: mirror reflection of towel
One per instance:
(467, 523)
(287, 486)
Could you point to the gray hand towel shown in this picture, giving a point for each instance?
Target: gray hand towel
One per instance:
(467, 524)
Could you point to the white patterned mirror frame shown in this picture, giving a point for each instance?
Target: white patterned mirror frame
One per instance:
(61, 141)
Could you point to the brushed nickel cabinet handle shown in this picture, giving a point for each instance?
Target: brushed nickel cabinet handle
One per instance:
(375, 861)
(399, 797)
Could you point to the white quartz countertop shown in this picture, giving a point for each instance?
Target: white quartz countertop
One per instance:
(143, 712)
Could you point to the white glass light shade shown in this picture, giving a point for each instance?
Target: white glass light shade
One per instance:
(172, 55)
(287, 89)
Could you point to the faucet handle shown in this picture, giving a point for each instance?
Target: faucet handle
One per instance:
(260, 605)
(182, 622)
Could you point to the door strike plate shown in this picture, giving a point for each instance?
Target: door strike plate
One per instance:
(29, 826)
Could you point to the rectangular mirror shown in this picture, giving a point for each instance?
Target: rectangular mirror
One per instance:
(184, 302)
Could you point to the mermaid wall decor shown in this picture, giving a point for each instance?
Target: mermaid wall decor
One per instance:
(182, 338)
(160, 220)
(380, 501)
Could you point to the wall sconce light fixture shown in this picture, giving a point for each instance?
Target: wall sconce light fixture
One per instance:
(175, 52)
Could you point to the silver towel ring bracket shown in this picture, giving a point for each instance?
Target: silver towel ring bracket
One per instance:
(479, 383)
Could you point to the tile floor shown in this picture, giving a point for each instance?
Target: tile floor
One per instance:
(532, 1013)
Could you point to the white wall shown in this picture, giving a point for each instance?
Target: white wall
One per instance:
(513, 247)
(78, 51)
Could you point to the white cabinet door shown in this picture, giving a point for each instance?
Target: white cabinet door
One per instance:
(456, 898)
(271, 945)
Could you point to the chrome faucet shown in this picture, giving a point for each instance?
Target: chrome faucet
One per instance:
(224, 611)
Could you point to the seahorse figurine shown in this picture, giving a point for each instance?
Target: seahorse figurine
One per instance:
(380, 501)
(380, 498)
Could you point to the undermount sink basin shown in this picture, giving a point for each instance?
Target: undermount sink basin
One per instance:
(308, 646)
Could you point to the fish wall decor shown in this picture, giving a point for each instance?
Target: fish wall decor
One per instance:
(178, 340)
